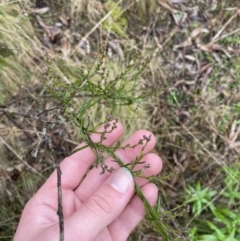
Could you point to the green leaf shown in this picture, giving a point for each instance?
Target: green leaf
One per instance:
(219, 233)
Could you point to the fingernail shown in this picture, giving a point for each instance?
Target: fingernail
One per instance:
(121, 180)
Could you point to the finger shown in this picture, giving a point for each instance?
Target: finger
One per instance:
(132, 214)
(104, 206)
(93, 180)
(75, 166)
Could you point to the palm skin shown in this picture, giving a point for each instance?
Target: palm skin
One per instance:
(95, 209)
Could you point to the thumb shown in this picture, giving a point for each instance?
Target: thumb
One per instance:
(102, 208)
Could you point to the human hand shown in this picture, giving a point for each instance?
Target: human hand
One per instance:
(103, 207)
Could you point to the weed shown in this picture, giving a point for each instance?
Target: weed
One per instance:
(121, 90)
(223, 221)
(200, 197)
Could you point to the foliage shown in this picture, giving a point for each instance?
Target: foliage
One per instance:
(223, 217)
(200, 197)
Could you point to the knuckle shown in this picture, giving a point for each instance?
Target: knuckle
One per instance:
(99, 205)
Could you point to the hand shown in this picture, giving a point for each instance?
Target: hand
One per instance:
(103, 207)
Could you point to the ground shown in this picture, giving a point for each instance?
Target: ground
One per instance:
(195, 112)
